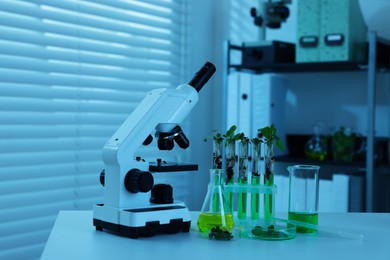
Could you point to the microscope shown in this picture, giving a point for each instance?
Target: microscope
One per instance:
(134, 205)
(269, 14)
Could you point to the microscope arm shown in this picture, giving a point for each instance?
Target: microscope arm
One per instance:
(170, 106)
(162, 110)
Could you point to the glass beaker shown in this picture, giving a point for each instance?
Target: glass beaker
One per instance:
(303, 195)
(215, 212)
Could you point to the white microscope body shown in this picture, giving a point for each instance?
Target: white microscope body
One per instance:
(128, 207)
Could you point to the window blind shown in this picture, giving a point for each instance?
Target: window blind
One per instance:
(71, 71)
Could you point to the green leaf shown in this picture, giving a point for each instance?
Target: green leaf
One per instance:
(266, 132)
(269, 233)
(216, 137)
(279, 144)
(231, 131)
(256, 141)
(270, 136)
(243, 138)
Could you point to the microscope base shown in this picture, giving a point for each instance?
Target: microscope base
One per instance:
(143, 222)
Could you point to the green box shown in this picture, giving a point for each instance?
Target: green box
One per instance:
(308, 31)
(339, 27)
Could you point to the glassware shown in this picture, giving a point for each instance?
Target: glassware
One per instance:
(269, 179)
(255, 177)
(316, 148)
(217, 154)
(230, 155)
(242, 176)
(276, 230)
(215, 213)
(343, 144)
(230, 161)
(303, 195)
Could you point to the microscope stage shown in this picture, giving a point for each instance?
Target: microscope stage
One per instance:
(171, 167)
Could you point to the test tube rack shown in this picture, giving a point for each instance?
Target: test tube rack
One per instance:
(251, 202)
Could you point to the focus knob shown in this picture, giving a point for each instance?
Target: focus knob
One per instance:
(162, 194)
(101, 177)
(138, 181)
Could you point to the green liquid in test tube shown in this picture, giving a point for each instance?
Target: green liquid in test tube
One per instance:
(269, 180)
(217, 164)
(242, 177)
(230, 163)
(255, 178)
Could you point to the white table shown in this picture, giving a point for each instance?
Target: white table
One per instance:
(74, 237)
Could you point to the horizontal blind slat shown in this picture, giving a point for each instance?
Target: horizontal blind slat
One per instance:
(52, 21)
(149, 62)
(26, 250)
(109, 96)
(44, 118)
(18, 76)
(87, 168)
(160, 20)
(53, 66)
(139, 6)
(23, 37)
(56, 131)
(60, 105)
(27, 77)
(44, 157)
(36, 145)
(18, 200)
(27, 225)
(89, 41)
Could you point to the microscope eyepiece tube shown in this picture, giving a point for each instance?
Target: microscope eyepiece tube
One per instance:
(202, 76)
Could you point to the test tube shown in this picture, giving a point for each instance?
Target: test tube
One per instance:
(242, 176)
(230, 155)
(255, 178)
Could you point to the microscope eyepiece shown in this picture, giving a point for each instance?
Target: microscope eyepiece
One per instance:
(202, 76)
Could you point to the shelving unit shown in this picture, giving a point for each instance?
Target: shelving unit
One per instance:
(370, 66)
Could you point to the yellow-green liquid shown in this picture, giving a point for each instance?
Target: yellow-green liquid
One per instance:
(207, 221)
(310, 218)
(316, 155)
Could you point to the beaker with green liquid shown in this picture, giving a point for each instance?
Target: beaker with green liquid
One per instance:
(216, 213)
(303, 195)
